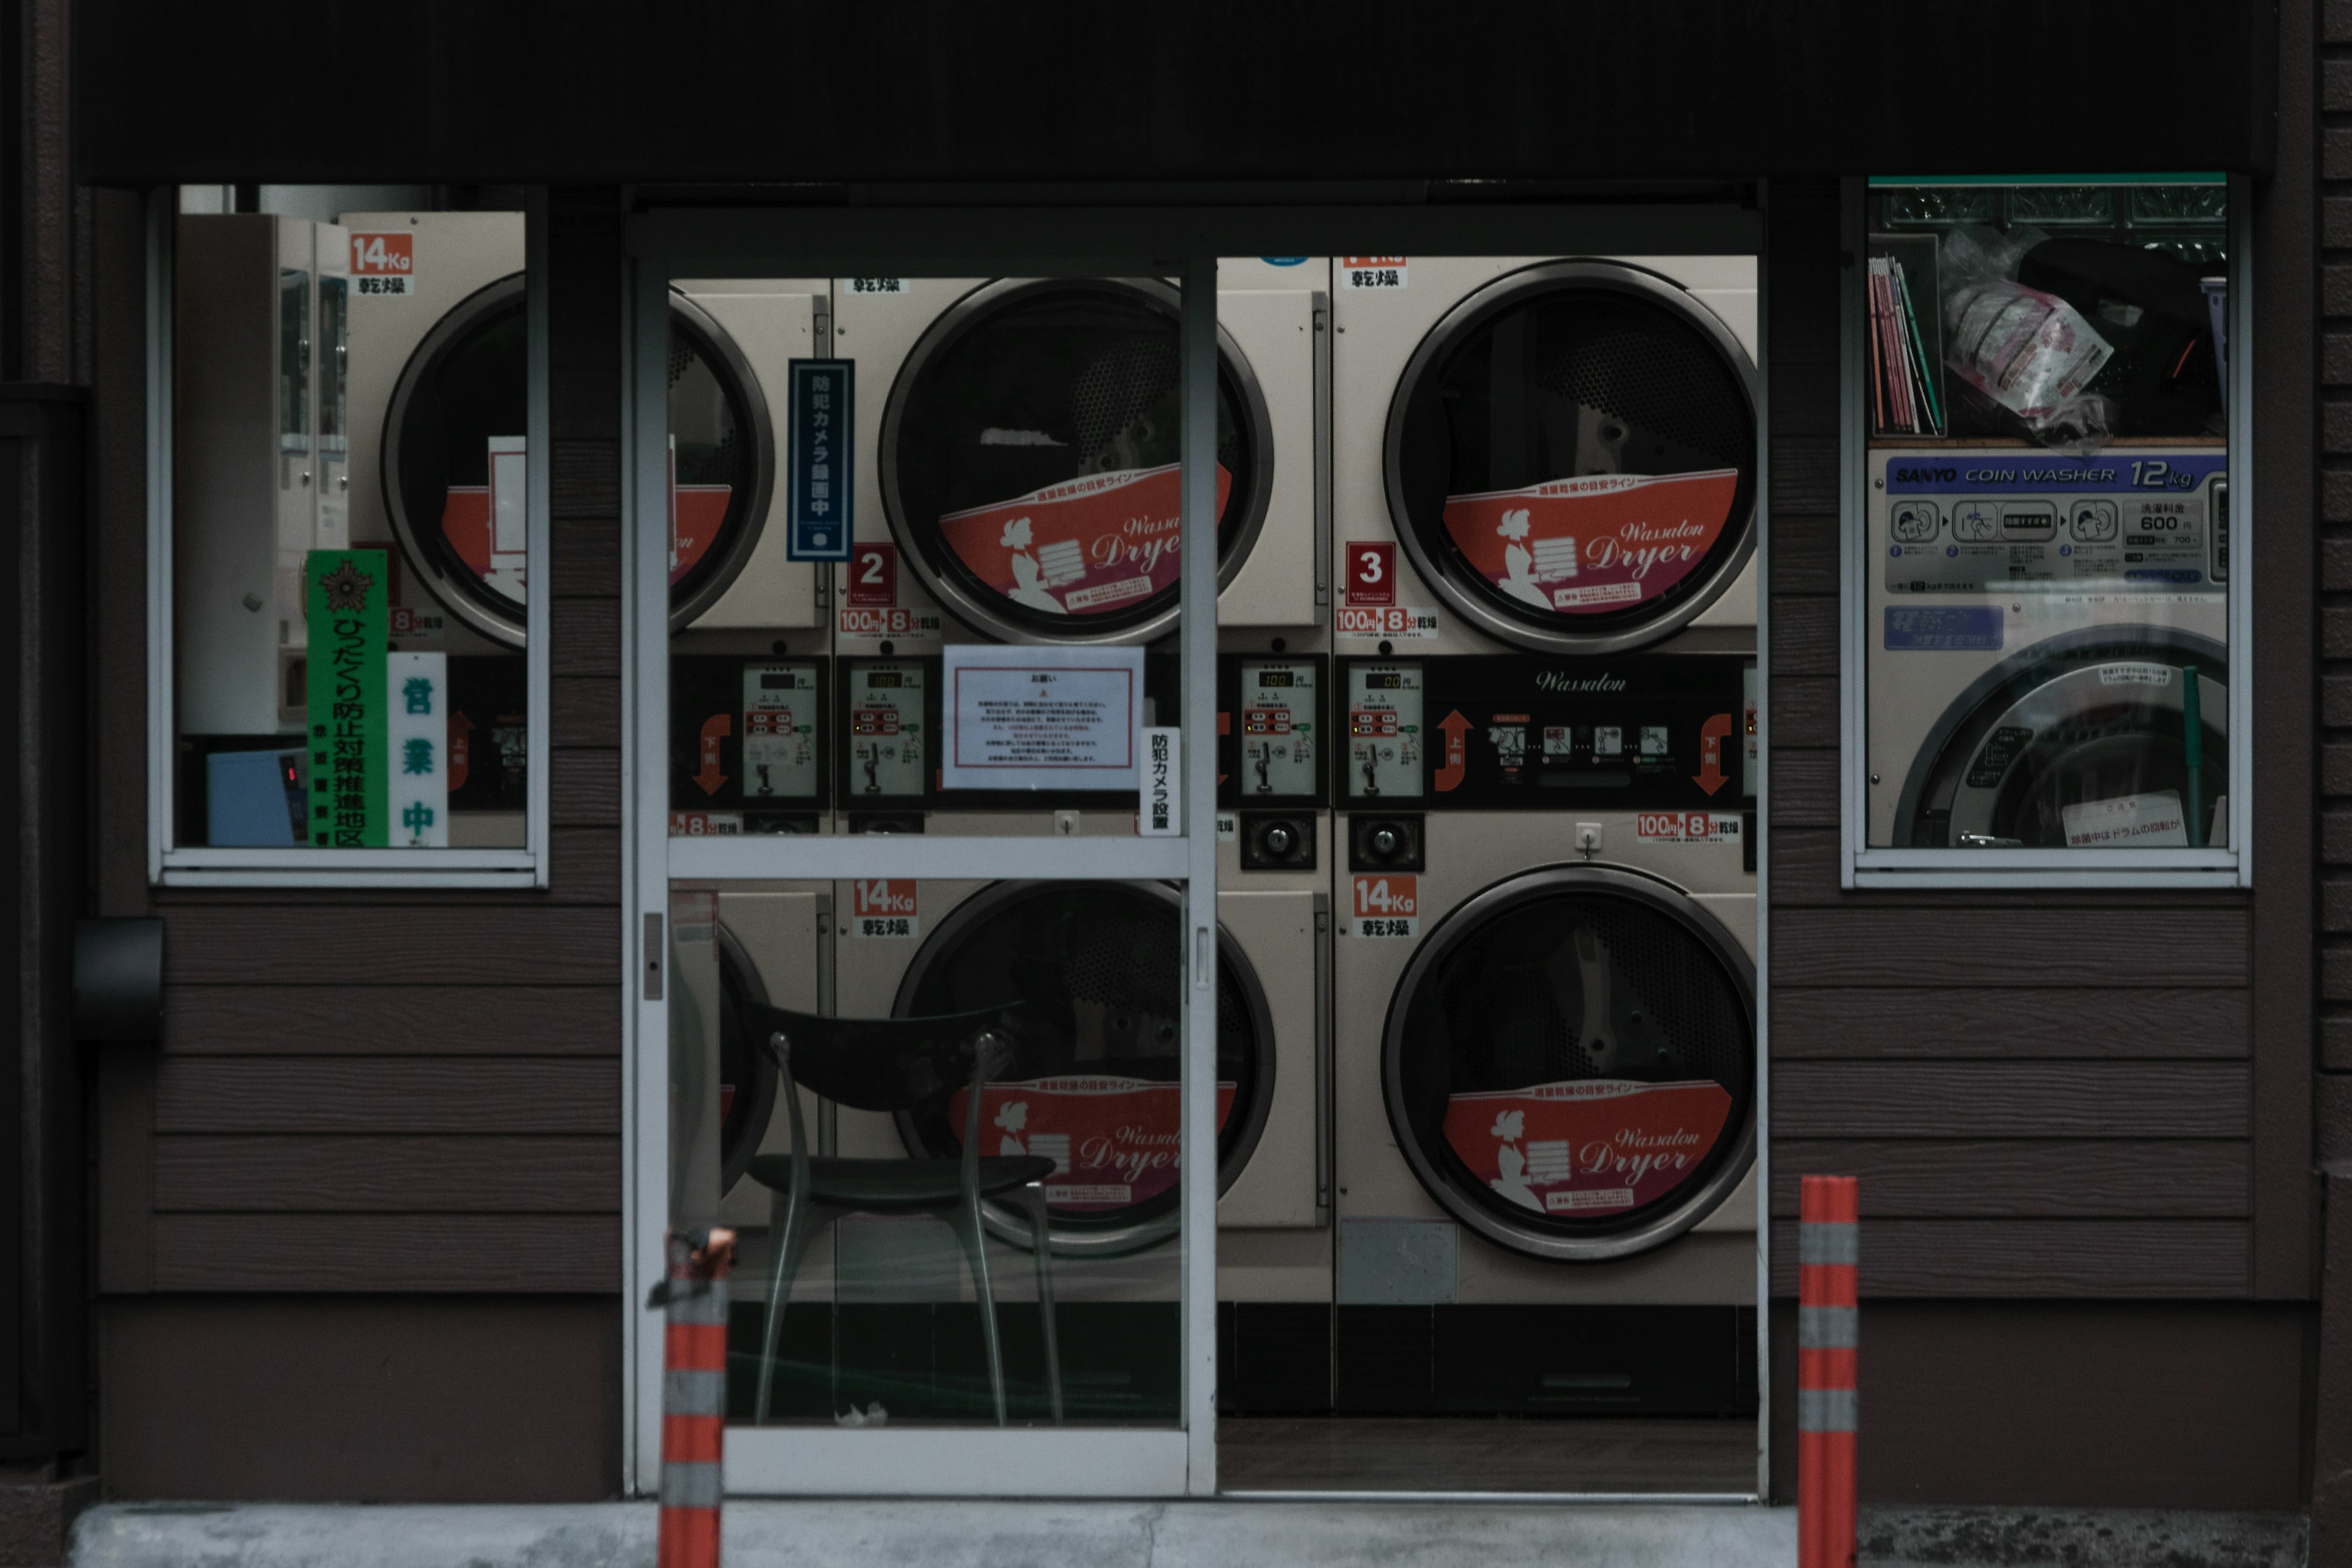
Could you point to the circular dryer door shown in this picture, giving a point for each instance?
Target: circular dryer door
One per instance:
(454, 460)
(2112, 738)
(1572, 457)
(1029, 459)
(1570, 1063)
(747, 1079)
(1096, 1088)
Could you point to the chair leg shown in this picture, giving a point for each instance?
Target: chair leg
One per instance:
(964, 1219)
(1042, 1255)
(788, 1223)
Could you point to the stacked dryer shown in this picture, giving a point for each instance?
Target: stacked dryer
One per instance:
(1545, 1024)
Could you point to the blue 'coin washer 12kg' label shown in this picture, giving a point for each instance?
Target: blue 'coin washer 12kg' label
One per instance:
(820, 423)
(2128, 520)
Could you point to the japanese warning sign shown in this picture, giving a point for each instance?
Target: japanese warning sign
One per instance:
(816, 464)
(344, 601)
(416, 735)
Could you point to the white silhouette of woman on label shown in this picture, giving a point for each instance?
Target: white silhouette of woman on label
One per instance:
(1513, 1181)
(1027, 588)
(1519, 561)
(1014, 1117)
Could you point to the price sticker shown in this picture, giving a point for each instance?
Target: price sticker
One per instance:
(1386, 906)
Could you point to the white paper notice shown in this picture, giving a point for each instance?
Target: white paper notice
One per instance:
(2127, 819)
(1159, 813)
(416, 735)
(1043, 718)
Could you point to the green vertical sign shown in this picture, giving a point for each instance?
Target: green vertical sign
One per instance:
(343, 600)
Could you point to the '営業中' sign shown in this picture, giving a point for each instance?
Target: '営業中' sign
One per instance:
(816, 460)
(344, 609)
(1043, 718)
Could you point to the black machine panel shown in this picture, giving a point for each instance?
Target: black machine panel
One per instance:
(1523, 732)
(747, 744)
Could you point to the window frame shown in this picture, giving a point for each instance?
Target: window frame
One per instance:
(1862, 866)
(171, 864)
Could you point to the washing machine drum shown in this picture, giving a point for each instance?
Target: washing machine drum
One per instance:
(1096, 1087)
(1029, 459)
(2105, 739)
(1572, 457)
(1570, 1063)
(461, 407)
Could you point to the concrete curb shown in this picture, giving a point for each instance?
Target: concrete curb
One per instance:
(965, 1535)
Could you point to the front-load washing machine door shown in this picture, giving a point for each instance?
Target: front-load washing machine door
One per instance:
(1096, 1088)
(1029, 453)
(453, 460)
(747, 1079)
(1570, 1063)
(2116, 738)
(1572, 457)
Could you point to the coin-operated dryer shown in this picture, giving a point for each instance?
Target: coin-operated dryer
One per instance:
(1025, 441)
(1545, 1029)
(2047, 659)
(1554, 453)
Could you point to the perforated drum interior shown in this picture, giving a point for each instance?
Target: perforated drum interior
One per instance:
(1570, 1063)
(1029, 459)
(1097, 1085)
(1572, 457)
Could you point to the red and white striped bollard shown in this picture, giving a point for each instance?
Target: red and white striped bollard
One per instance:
(694, 1397)
(1828, 1314)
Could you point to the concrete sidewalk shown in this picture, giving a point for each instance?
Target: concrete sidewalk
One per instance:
(910, 1535)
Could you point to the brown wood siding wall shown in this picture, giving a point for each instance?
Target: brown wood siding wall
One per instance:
(411, 1100)
(2045, 1094)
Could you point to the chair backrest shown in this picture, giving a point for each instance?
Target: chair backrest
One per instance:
(886, 1064)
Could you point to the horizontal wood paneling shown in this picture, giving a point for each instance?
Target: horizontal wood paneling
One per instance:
(1865, 943)
(1895, 1021)
(2080, 1257)
(1804, 789)
(587, 477)
(1804, 555)
(2010, 1100)
(586, 786)
(369, 1172)
(461, 945)
(1804, 635)
(386, 1094)
(2046, 1178)
(1805, 474)
(272, 1253)
(587, 637)
(316, 1020)
(1804, 710)
(587, 712)
(587, 557)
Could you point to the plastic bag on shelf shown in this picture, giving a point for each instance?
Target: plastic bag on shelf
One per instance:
(2023, 350)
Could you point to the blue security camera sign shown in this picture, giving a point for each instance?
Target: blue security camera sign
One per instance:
(816, 459)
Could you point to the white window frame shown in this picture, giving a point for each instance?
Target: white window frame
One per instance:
(170, 864)
(1862, 866)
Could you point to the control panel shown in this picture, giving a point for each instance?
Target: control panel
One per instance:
(746, 744)
(1520, 732)
(1270, 730)
(2008, 522)
(886, 730)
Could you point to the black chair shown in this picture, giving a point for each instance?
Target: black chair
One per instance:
(894, 1065)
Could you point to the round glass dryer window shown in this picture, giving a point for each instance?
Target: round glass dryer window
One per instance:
(1097, 1086)
(1029, 460)
(2097, 742)
(453, 460)
(1570, 1063)
(1572, 457)
(747, 1079)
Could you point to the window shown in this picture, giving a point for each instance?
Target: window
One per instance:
(350, 540)
(2047, 407)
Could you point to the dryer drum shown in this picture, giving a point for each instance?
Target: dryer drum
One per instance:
(1572, 457)
(1029, 458)
(466, 386)
(1097, 1086)
(2081, 741)
(1570, 1063)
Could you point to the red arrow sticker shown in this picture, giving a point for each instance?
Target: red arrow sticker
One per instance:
(1711, 737)
(713, 728)
(1456, 770)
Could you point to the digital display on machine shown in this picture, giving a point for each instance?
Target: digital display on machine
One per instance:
(2041, 521)
(780, 719)
(886, 750)
(1276, 730)
(1384, 731)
